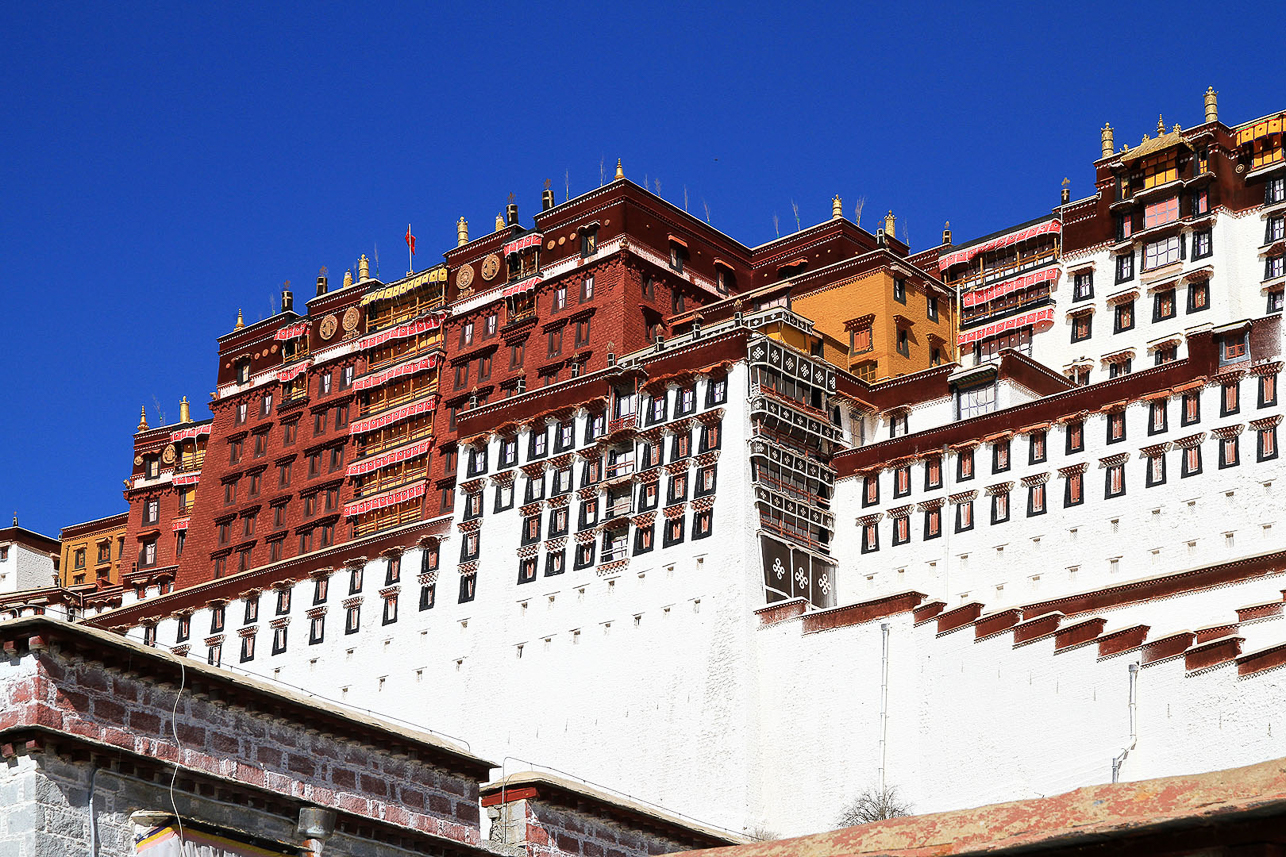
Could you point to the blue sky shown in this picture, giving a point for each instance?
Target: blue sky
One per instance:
(163, 165)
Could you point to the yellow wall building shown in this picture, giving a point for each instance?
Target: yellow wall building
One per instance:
(883, 323)
(91, 551)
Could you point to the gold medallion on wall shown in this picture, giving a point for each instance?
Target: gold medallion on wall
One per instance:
(352, 316)
(138, 461)
(168, 456)
(490, 267)
(464, 277)
(328, 326)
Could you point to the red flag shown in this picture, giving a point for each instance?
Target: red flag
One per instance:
(410, 240)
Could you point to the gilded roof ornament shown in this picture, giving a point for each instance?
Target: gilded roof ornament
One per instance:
(620, 173)
(142, 419)
(1160, 124)
(348, 277)
(241, 322)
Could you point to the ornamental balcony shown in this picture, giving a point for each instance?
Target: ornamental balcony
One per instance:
(384, 399)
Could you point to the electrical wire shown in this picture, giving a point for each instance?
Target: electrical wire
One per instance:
(174, 728)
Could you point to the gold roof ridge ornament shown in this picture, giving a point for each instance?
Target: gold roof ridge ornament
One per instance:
(142, 420)
(620, 173)
(348, 278)
(241, 322)
(185, 410)
(1161, 125)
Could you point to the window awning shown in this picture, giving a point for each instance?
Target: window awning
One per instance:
(405, 412)
(967, 254)
(1119, 356)
(523, 243)
(433, 275)
(181, 523)
(189, 433)
(379, 501)
(999, 290)
(291, 331)
(406, 453)
(520, 288)
(181, 479)
(290, 373)
(1259, 129)
(411, 367)
(677, 240)
(1005, 325)
(402, 331)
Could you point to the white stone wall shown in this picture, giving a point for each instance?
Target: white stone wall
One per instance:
(1235, 293)
(672, 692)
(25, 568)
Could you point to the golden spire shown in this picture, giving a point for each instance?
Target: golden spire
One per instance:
(500, 222)
(1160, 125)
(240, 321)
(1212, 104)
(363, 268)
(142, 419)
(620, 173)
(348, 277)
(185, 411)
(461, 232)
(837, 208)
(889, 223)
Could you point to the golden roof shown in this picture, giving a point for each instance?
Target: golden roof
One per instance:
(1151, 147)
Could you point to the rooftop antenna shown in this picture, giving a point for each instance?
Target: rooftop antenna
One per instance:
(685, 197)
(906, 233)
(377, 261)
(602, 178)
(857, 210)
(160, 414)
(657, 182)
(795, 208)
(567, 185)
(707, 208)
(776, 224)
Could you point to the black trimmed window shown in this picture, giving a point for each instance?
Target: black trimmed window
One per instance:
(1082, 326)
(584, 555)
(390, 609)
(247, 647)
(1155, 472)
(901, 530)
(468, 588)
(964, 464)
(1075, 433)
(932, 472)
(964, 516)
(469, 547)
(1037, 447)
(1123, 317)
(1266, 443)
(870, 538)
(1268, 389)
(352, 619)
(644, 539)
(279, 640)
(716, 391)
(1082, 285)
(1125, 268)
(899, 290)
(1000, 461)
(1229, 451)
(871, 489)
(1074, 489)
(1163, 305)
(555, 563)
(674, 531)
(1116, 427)
(1036, 500)
(1202, 244)
(902, 482)
(316, 629)
(702, 524)
(504, 497)
(1158, 416)
(932, 523)
(1191, 461)
(1230, 399)
(1000, 507)
(1114, 481)
(428, 596)
(1191, 408)
(1198, 296)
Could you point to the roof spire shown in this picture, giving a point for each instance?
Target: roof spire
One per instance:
(240, 321)
(142, 419)
(620, 173)
(1160, 125)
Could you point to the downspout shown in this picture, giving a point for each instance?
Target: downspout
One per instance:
(93, 819)
(1134, 723)
(884, 701)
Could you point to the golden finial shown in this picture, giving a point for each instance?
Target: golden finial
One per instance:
(1212, 104)
(142, 418)
(363, 268)
(1177, 129)
(185, 411)
(889, 223)
(241, 322)
(1160, 125)
(348, 277)
(500, 222)
(461, 232)
(837, 208)
(620, 173)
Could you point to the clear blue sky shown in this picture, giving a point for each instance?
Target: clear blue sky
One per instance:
(162, 165)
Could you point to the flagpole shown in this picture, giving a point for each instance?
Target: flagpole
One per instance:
(410, 253)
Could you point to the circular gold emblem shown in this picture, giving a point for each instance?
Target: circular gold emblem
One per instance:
(168, 455)
(351, 318)
(464, 277)
(550, 244)
(490, 267)
(328, 325)
(138, 461)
